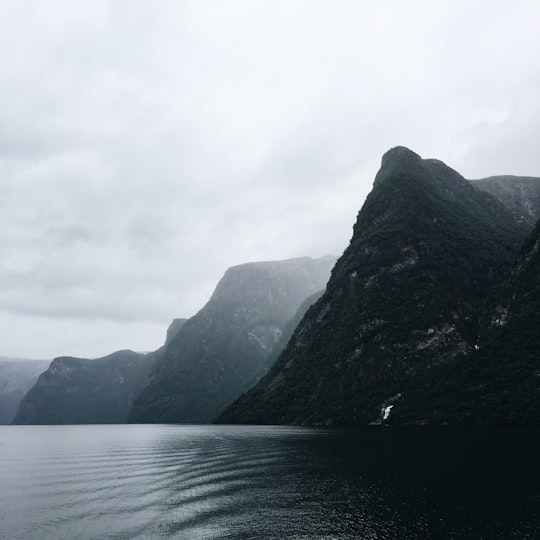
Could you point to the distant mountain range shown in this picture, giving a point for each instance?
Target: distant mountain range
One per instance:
(428, 316)
(72, 390)
(84, 391)
(224, 349)
(205, 363)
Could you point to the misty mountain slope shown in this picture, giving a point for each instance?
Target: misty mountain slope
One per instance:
(500, 382)
(284, 338)
(219, 352)
(175, 327)
(405, 296)
(83, 391)
(17, 376)
(520, 194)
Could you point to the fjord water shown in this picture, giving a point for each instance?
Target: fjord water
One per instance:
(170, 481)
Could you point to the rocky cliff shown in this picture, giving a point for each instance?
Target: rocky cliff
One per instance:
(405, 299)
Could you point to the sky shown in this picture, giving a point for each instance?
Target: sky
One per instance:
(148, 145)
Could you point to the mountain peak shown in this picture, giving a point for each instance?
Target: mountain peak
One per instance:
(426, 250)
(401, 154)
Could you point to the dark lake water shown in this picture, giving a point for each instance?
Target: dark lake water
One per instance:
(139, 482)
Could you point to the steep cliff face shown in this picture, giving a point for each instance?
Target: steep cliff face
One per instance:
(17, 376)
(284, 337)
(174, 328)
(218, 353)
(83, 391)
(404, 298)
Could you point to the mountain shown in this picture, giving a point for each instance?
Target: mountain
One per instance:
(17, 376)
(284, 338)
(405, 299)
(89, 391)
(499, 382)
(83, 391)
(173, 329)
(520, 194)
(220, 351)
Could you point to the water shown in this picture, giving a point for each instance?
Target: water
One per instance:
(146, 482)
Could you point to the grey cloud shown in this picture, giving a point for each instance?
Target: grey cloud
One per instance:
(145, 147)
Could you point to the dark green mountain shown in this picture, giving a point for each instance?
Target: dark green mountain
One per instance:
(404, 299)
(499, 382)
(17, 376)
(222, 349)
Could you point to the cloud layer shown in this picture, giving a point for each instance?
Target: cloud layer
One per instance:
(147, 146)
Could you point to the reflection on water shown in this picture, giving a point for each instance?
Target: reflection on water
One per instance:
(126, 482)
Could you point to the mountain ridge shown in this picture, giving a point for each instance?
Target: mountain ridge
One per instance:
(405, 297)
(219, 351)
(86, 391)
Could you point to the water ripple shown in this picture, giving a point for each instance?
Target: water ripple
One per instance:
(207, 482)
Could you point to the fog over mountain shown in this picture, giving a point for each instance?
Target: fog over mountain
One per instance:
(204, 364)
(232, 341)
(17, 376)
(147, 146)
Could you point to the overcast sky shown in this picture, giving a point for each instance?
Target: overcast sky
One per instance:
(146, 146)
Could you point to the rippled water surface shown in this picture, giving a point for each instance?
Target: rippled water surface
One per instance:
(128, 482)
